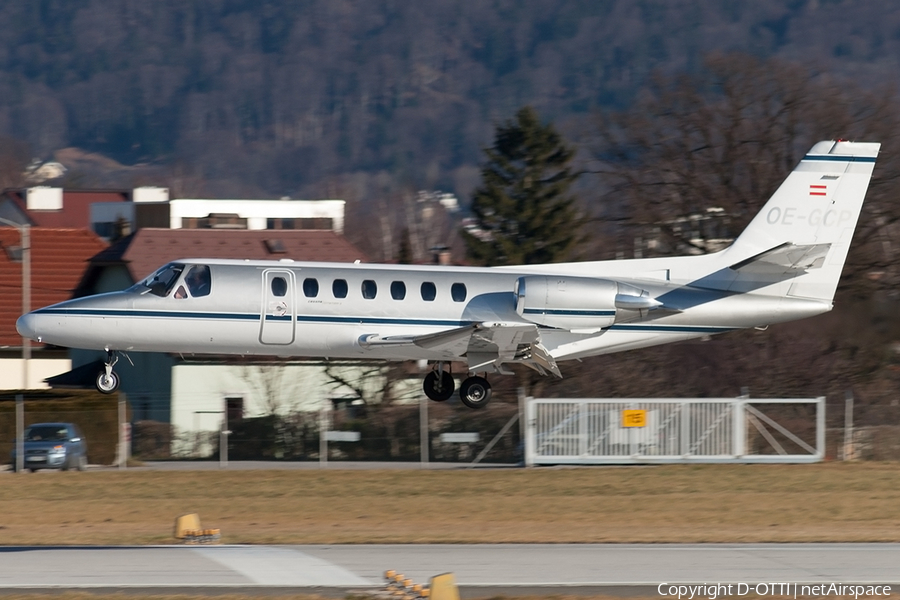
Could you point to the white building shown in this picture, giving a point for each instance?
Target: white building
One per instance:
(152, 207)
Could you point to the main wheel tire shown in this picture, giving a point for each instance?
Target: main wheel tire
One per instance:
(475, 392)
(107, 385)
(439, 386)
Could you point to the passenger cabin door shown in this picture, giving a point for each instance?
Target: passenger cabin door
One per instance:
(278, 314)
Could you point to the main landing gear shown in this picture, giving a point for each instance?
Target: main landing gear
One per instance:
(475, 392)
(107, 380)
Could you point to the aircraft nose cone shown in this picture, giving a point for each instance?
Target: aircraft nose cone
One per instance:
(26, 326)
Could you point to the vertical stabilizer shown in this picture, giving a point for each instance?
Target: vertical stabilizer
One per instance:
(806, 226)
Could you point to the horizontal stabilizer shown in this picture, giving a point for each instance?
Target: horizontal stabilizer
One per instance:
(785, 258)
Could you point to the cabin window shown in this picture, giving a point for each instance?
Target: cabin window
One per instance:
(398, 290)
(458, 292)
(339, 288)
(310, 287)
(198, 281)
(279, 286)
(163, 281)
(369, 289)
(429, 291)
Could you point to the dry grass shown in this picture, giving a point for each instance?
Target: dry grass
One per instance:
(694, 503)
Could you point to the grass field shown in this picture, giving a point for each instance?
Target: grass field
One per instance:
(691, 503)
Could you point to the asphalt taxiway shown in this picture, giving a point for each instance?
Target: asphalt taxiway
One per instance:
(479, 569)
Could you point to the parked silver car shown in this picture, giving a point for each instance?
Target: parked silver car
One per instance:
(53, 446)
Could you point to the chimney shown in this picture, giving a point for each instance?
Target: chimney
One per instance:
(441, 255)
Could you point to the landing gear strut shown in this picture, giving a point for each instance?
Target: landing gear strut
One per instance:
(439, 384)
(107, 380)
(475, 392)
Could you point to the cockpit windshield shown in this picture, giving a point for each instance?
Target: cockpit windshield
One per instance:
(161, 282)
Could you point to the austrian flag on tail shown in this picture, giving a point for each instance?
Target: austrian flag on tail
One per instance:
(817, 190)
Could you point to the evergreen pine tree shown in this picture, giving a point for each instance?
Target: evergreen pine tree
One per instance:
(523, 208)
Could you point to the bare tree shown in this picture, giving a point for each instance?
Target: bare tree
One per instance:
(272, 383)
(727, 137)
(14, 157)
(376, 384)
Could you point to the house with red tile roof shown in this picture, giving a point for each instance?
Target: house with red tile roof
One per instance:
(43, 206)
(58, 260)
(137, 255)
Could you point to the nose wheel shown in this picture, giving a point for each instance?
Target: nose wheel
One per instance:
(107, 380)
(475, 392)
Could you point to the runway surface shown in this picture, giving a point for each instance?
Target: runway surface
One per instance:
(479, 569)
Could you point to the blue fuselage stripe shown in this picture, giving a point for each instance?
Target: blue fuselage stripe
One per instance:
(831, 158)
(671, 328)
(162, 314)
(159, 314)
(570, 312)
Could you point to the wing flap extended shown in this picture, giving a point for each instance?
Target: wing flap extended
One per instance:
(485, 346)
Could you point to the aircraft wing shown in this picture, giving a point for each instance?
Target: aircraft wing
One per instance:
(486, 346)
(785, 258)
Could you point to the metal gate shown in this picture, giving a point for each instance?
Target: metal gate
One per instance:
(672, 430)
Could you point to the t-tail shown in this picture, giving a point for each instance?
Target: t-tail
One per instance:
(796, 246)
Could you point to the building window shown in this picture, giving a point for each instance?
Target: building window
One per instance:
(429, 291)
(398, 290)
(369, 289)
(311, 287)
(339, 288)
(458, 292)
(279, 286)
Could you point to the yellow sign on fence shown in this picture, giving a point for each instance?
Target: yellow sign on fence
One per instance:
(634, 418)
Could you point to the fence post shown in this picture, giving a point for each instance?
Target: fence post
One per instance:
(223, 443)
(740, 427)
(20, 433)
(423, 429)
(848, 425)
(520, 393)
(323, 440)
(123, 449)
(530, 435)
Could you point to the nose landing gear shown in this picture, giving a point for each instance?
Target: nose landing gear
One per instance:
(107, 380)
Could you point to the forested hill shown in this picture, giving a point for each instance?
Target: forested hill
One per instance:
(281, 97)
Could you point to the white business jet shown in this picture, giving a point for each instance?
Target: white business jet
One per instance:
(784, 266)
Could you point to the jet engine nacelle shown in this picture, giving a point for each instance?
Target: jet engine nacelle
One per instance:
(578, 304)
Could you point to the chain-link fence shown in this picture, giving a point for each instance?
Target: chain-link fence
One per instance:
(864, 432)
(95, 415)
(386, 433)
